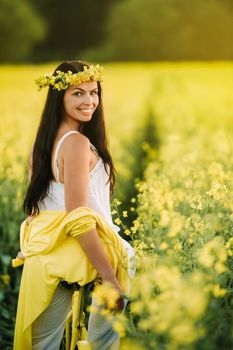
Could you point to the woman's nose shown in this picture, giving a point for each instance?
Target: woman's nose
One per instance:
(87, 99)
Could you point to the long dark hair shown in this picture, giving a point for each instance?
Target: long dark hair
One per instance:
(51, 118)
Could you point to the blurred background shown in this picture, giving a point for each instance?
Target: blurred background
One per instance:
(111, 30)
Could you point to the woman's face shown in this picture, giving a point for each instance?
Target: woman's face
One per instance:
(80, 102)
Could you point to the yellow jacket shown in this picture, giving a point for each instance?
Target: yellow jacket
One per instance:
(52, 252)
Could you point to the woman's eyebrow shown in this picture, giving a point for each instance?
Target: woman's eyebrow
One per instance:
(77, 88)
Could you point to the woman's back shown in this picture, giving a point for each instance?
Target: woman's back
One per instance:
(98, 187)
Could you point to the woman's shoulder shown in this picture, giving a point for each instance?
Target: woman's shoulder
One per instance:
(76, 138)
(75, 144)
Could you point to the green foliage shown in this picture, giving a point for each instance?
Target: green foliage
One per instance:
(11, 216)
(138, 152)
(134, 30)
(20, 28)
(169, 30)
(72, 27)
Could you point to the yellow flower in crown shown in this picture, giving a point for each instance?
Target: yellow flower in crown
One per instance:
(62, 80)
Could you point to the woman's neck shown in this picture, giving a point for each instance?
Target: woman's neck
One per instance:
(65, 127)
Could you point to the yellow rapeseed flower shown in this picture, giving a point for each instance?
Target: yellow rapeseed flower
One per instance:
(217, 291)
(117, 221)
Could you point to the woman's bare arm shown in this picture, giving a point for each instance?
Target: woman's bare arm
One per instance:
(75, 152)
(29, 218)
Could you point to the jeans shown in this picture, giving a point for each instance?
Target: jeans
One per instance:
(48, 328)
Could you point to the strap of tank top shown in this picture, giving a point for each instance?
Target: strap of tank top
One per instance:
(93, 148)
(57, 150)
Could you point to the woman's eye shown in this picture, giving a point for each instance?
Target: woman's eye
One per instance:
(94, 92)
(78, 93)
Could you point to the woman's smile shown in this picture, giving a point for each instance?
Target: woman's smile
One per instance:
(80, 102)
(86, 110)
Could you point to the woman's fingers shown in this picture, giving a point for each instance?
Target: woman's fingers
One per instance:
(20, 255)
(120, 304)
(118, 307)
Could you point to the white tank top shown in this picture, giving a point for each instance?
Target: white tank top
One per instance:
(98, 188)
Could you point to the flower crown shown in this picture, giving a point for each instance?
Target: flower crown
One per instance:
(62, 80)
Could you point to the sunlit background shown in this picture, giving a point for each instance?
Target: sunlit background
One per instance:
(111, 30)
(168, 98)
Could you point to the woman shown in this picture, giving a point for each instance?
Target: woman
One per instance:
(69, 172)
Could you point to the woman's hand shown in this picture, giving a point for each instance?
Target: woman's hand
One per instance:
(119, 306)
(120, 303)
(20, 256)
(92, 246)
